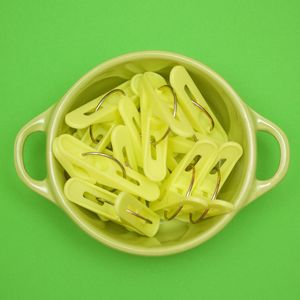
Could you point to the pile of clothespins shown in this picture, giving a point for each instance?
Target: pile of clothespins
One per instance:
(147, 151)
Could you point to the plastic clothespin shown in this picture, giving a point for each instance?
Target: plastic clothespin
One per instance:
(166, 106)
(85, 115)
(92, 197)
(106, 170)
(95, 199)
(154, 152)
(72, 169)
(191, 170)
(132, 121)
(201, 157)
(123, 149)
(136, 214)
(228, 155)
(194, 105)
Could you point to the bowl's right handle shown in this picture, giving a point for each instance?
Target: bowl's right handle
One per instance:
(39, 123)
(262, 186)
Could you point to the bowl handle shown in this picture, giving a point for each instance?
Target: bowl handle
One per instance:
(39, 123)
(262, 186)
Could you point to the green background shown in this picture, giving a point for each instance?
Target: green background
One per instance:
(46, 46)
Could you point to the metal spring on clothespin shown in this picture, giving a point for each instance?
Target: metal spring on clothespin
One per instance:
(217, 171)
(206, 113)
(107, 156)
(97, 108)
(187, 194)
(113, 159)
(138, 215)
(155, 143)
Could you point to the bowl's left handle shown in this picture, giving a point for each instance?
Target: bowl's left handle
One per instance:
(37, 124)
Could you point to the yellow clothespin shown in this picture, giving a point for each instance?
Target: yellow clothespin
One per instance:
(166, 106)
(132, 121)
(136, 214)
(177, 189)
(194, 105)
(123, 149)
(95, 199)
(106, 169)
(200, 157)
(154, 149)
(92, 197)
(102, 109)
(228, 155)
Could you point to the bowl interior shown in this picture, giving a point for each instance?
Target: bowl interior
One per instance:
(227, 109)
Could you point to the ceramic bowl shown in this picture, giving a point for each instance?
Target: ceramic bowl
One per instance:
(239, 121)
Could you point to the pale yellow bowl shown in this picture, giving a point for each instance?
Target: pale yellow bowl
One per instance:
(239, 121)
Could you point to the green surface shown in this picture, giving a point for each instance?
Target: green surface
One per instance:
(47, 46)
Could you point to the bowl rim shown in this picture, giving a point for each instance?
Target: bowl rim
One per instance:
(168, 249)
